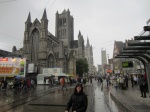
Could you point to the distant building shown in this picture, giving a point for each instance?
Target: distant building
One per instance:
(100, 70)
(117, 62)
(4, 53)
(103, 57)
(103, 60)
(94, 70)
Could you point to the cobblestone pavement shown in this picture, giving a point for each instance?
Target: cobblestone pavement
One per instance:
(130, 99)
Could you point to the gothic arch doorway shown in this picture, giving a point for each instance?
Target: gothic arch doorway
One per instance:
(51, 61)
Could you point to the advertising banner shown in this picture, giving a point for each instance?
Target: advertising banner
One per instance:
(12, 66)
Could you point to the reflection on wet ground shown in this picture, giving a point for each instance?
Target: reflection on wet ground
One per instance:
(55, 100)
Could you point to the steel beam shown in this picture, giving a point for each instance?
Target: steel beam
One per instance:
(136, 57)
(141, 37)
(137, 48)
(141, 55)
(135, 52)
(139, 44)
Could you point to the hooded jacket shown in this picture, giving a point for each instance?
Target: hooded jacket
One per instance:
(78, 101)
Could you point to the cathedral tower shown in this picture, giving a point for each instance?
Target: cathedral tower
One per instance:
(64, 30)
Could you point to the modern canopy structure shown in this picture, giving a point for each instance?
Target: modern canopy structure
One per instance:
(139, 50)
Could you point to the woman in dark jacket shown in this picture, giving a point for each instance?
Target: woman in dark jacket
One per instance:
(78, 100)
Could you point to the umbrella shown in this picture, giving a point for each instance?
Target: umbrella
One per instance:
(18, 77)
(52, 75)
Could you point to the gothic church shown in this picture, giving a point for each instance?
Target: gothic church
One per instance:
(46, 50)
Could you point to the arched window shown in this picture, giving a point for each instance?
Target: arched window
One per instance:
(51, 61)
(34, 43)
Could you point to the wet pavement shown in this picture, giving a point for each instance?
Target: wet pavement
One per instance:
(48, 99)
(130, 100)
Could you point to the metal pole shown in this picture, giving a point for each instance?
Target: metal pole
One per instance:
(148, 76)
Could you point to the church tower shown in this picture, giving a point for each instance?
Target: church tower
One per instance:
(64, 29)
(80, 46)
(43, 41)
(89, 56)
(35, 41)
(26, 37)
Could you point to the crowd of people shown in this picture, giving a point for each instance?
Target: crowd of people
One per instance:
(122, 82)
(21, 84)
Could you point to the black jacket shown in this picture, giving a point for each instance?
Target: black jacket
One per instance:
(78, 102)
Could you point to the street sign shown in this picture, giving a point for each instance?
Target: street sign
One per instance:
(127, 64)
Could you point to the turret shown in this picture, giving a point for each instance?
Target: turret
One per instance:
(56, 24)
(14, 49)
(28, 23)
(44, 21)
(87, 44)
(79, 39)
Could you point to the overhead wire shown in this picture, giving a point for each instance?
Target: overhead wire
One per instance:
(21, 41)
(9, 36)
(14, 41)
(44, 7)
(51, 4)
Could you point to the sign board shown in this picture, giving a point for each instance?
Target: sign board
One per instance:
(52, 71)
(31, 68)
(12, 66)
(127, 64)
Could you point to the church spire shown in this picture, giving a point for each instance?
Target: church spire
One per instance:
(44, 14)
(29, 18)
(79, 34)
(88, 42)
(68, 10)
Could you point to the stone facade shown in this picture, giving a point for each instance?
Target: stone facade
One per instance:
(89, 56)
(46, 50)
(103, 60)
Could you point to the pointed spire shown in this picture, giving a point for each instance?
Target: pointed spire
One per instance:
(68, 10)
(88, 41)
(64, 11)
(44, 14)
(57, 12)
(79, 34)
(29, 18)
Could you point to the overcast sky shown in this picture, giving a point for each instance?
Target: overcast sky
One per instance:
(102, 21)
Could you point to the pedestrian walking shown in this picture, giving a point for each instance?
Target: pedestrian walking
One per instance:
(32, 83)
(107, 80)
(63, 83)
(142, 86)
(91, 83)
(132, 81)
(121, 79)
(126, 81)
(78, 101)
